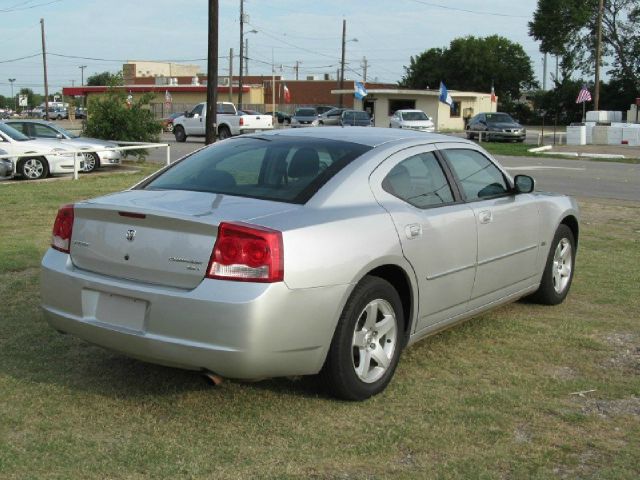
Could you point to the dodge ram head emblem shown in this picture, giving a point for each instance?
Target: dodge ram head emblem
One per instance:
(131, 234)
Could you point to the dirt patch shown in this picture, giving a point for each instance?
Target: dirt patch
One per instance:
(627, 352)
(561, 373)
(611, 408)
(601, 212)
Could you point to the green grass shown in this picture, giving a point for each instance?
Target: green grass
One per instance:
(488, 399)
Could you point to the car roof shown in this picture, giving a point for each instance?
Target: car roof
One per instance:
(28, 120)
(370, 136)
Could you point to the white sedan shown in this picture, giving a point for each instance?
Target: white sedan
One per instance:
(412, 120)
(37, 158)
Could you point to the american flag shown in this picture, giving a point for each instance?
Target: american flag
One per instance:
(584, 95)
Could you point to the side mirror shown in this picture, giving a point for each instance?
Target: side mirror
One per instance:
(524, 183)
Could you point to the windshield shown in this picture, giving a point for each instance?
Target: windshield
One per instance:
(13, 133)
(286, 169)
(414, 116)
(499, 118)
(306, 112)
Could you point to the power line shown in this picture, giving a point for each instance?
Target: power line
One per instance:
(475, 12)
(20, 58)
(18, 7)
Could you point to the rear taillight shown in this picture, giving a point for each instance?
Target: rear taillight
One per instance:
(247, 253)
(241, 122)
(62, 229)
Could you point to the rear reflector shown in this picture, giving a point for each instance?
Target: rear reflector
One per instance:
(62, 229)
(247, 253)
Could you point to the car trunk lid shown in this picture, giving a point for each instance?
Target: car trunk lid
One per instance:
(161, 237)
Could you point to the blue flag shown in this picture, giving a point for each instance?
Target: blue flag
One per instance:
(444, 95)
(360, 92)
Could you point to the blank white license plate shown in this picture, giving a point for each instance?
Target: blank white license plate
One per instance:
(114, 309)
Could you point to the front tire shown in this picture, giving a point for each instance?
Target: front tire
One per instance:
(366, 345)
(178, 132)
(558, 272)
(91, 162)
(33, 168)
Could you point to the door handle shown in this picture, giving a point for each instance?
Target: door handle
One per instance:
(412, 231)
(485, 216)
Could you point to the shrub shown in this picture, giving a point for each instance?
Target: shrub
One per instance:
(112, 119)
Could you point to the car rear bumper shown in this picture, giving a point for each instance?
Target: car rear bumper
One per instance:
(109, 157)
(235, 329)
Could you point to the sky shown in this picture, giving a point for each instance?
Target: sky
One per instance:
(104, 34)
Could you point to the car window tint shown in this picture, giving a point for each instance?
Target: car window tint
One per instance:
(197, 110)
(279, 168)
(42, 131)
(478, 177)
(420, 181)
(20, 126)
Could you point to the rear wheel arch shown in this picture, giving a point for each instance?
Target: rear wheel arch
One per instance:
(400, 280)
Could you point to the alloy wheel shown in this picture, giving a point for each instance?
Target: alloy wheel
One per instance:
(562, 264)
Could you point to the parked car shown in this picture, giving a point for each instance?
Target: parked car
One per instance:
(95, 156)
(230, 122)
(37, 158)
(355, 118)
(6, 165)
(412, 120)
(495, 126)
(81, 113)
(167, 123)
(305, 117)
(55, 114)
(263, 263)
(281, 117)
(330, 117)
(323, 108)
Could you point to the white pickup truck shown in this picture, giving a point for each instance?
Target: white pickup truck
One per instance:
(230, 122)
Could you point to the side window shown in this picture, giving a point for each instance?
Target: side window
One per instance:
(197, 110)
(42, 131)
(420, 181)
(21, 127)
(478, 177)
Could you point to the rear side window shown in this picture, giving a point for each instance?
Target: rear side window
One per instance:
(271, 168)
(478, 177)
(420, 181)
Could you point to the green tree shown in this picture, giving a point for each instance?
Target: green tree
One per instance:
(112, 118)
(105, 78)
(33, 99)
(5, 102)
(567, 28)
(473, 63)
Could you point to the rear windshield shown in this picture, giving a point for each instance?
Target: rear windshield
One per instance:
(280, 168)
(356, 115)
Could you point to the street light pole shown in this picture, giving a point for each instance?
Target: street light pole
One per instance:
(11, 80)
(241, 72)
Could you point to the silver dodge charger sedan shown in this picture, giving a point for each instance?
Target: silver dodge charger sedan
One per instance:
(315, 251)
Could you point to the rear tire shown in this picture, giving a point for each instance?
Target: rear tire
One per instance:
(558, 272)
(367, 342)
(178, 132)
(33, 168)
(224, 133)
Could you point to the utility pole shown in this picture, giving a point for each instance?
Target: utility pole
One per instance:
(344, 40)
(557, 72)
(297, 68)
(231, 75)
(82, 67)
(240, 79)
(73, 82)
(11, 80)
(44, 63)
(212, 74)
(544, 73)
(273, 83)
(365, 66)
(596, 95)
